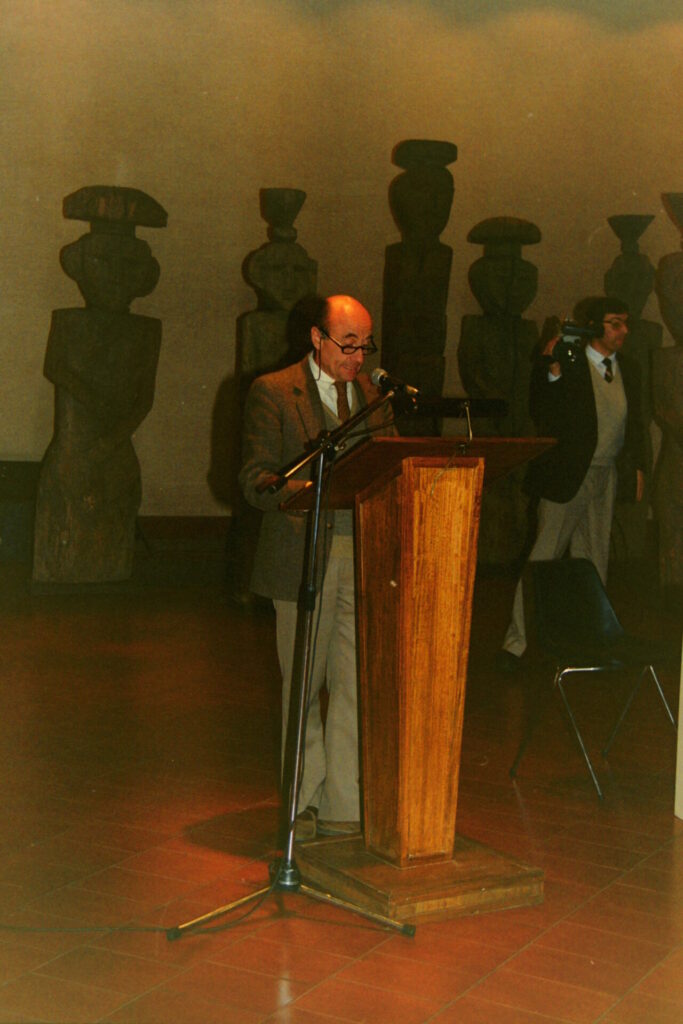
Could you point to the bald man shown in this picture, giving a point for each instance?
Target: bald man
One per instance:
(284, 411)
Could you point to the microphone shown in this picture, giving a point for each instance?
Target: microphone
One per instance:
(381, 379)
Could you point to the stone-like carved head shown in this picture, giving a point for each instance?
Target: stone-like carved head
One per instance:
(503, 283)
(281, 273)
(631, 276)
(110, 270)
(421, 197)
(669, 280)
(110, 265)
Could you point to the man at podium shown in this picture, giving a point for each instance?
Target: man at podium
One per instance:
(284, 412)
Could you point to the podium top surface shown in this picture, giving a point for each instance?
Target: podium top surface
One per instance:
(377, 456)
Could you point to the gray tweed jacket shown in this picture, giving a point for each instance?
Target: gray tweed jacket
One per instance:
(284, 412)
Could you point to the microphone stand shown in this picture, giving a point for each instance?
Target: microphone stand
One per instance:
(284, 872)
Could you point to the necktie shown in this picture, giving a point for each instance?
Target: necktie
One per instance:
(609, 376)
(343, 411)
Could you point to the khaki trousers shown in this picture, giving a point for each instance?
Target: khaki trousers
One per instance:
(330, 777)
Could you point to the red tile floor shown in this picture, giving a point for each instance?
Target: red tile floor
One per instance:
(138, 789)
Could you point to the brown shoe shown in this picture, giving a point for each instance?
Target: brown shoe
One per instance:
(305, 825)
(338, 828)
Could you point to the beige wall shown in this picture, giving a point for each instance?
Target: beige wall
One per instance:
(563, 117)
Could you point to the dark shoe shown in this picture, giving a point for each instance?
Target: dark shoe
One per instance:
(305, 825)
(507, 663)
(338, 828)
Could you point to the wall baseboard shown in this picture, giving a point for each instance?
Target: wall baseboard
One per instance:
(183, 527)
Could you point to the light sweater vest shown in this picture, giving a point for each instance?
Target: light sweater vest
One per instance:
(610, 406)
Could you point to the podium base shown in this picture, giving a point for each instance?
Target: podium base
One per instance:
(475, 881)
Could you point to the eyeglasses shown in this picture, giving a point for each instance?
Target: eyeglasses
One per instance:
(614, 323)
(350, 350)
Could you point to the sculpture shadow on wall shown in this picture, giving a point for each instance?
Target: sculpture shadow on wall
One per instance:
(274, 335)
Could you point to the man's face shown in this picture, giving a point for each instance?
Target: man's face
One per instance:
(616, 329)
(349, 324)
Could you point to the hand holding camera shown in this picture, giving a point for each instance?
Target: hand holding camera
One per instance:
(562, 342)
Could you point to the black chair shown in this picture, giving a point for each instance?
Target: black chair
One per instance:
(574, 622)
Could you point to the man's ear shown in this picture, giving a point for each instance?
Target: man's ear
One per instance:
(316, 338)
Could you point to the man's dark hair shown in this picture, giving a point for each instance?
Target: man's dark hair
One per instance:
(311, 311)
(322, 320)
(592, 311)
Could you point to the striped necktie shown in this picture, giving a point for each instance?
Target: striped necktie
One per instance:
(609, 376)
(343, 410)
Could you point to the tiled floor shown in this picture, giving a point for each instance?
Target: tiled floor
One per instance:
(138, 791)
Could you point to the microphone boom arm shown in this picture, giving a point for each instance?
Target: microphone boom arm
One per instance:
(328, 442)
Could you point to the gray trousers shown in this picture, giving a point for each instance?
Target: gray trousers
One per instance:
(583, 525)
(330, 777)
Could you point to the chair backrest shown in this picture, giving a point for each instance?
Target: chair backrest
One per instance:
(571, 608)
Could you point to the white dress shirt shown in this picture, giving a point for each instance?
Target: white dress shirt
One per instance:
(326, 388)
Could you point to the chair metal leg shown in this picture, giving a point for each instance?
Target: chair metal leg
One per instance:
(532, 720)
(651, 670)
(579, 737)
(624, 712)
(522, 747)
(647, 669)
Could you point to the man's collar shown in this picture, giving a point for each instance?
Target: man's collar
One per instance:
(597, 357)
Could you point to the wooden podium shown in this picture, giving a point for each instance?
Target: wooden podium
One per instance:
(417, 504)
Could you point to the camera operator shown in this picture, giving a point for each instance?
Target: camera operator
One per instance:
(586, 396)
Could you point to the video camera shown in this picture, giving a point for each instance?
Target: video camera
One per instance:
(571, 342)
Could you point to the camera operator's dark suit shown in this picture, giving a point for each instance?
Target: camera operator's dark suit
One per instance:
(576, 490)
(565, 409)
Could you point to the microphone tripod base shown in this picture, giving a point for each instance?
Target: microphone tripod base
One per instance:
(285, 877)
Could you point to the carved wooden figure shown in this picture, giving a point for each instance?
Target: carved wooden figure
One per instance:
(668, 408)
(281, 273)
(494, 358)
(417, 271)
(631, 278)
(102, 361)
(283, 276)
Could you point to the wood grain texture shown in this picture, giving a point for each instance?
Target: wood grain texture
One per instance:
(416, 558)
(374, 458)
(475, 879)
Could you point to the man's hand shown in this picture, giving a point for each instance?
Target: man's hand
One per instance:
(554, 368)
(550, 335)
